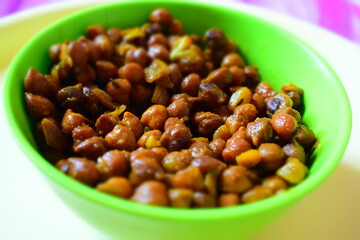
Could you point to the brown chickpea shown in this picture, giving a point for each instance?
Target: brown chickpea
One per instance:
(278, 101)
(199, 140)
(185, 96)
(176, 161)
(247, 110)
(151, 193)
(94, 52)
(200, 148)
(295, 97)
(228, 200)
(237, 76)
(155, 117)
(133, 123)
(158, 39)
(119, 89)
(71, 97)
(235, 180)
(160, 16)
(181, 197)
(217, 146)
(305, 137)
(81, 169)
(175, 27)
(196, 39)
(264, 89)
(272, 156)
(241, 133)
(207, 122)
(160, 151)
(179, 108)
(234, 122)
(144, 167)
(84, 74)
(113, 163)
(260, 131)
(91, 147)
(105, 71)
(132, 72)
(38, 106)
(252, 75)
(77, 53)
(295, 150)
(190, 84)
(141, 94)
(138, 55)
(143, 153)
(259, 102)
(189, 178)
(106, 47)
(114, 34)
(95, 30)
(208, 68)
(121, 138)
(294, 92)
(54, 52)
(274, 183)
(222, 110)
(159, 51)
(106, 123)
(255, 194)
(117, 186)
(175, 74)
(256, 175)
(290, 111)
(235, 146)
(82, 133)
(72, 120)
(284, 125)
(192, 64)
(204, 200)
(232, 59)
(208, 164)
(211, 94)
(221, 77)
(215, 39)
(40, 84)
(151, 28)
(176, 135)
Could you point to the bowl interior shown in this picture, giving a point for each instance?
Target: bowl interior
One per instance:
(281, 58)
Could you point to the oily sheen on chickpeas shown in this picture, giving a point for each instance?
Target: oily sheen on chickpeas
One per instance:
(160, 117)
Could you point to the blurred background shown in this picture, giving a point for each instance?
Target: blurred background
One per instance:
(339, 16)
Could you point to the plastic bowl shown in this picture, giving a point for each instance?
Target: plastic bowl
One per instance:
(281, 58)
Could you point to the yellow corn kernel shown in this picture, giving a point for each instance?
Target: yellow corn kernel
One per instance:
(152, 142)
(249, 158)
(293, 171)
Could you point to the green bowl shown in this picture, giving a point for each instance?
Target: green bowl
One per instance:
(281, 58)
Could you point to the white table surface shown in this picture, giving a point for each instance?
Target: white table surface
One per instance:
(30, 210)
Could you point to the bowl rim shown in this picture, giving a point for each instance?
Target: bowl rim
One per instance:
(167, 213)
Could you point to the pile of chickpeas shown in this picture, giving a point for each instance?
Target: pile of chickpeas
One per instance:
(159, 117)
